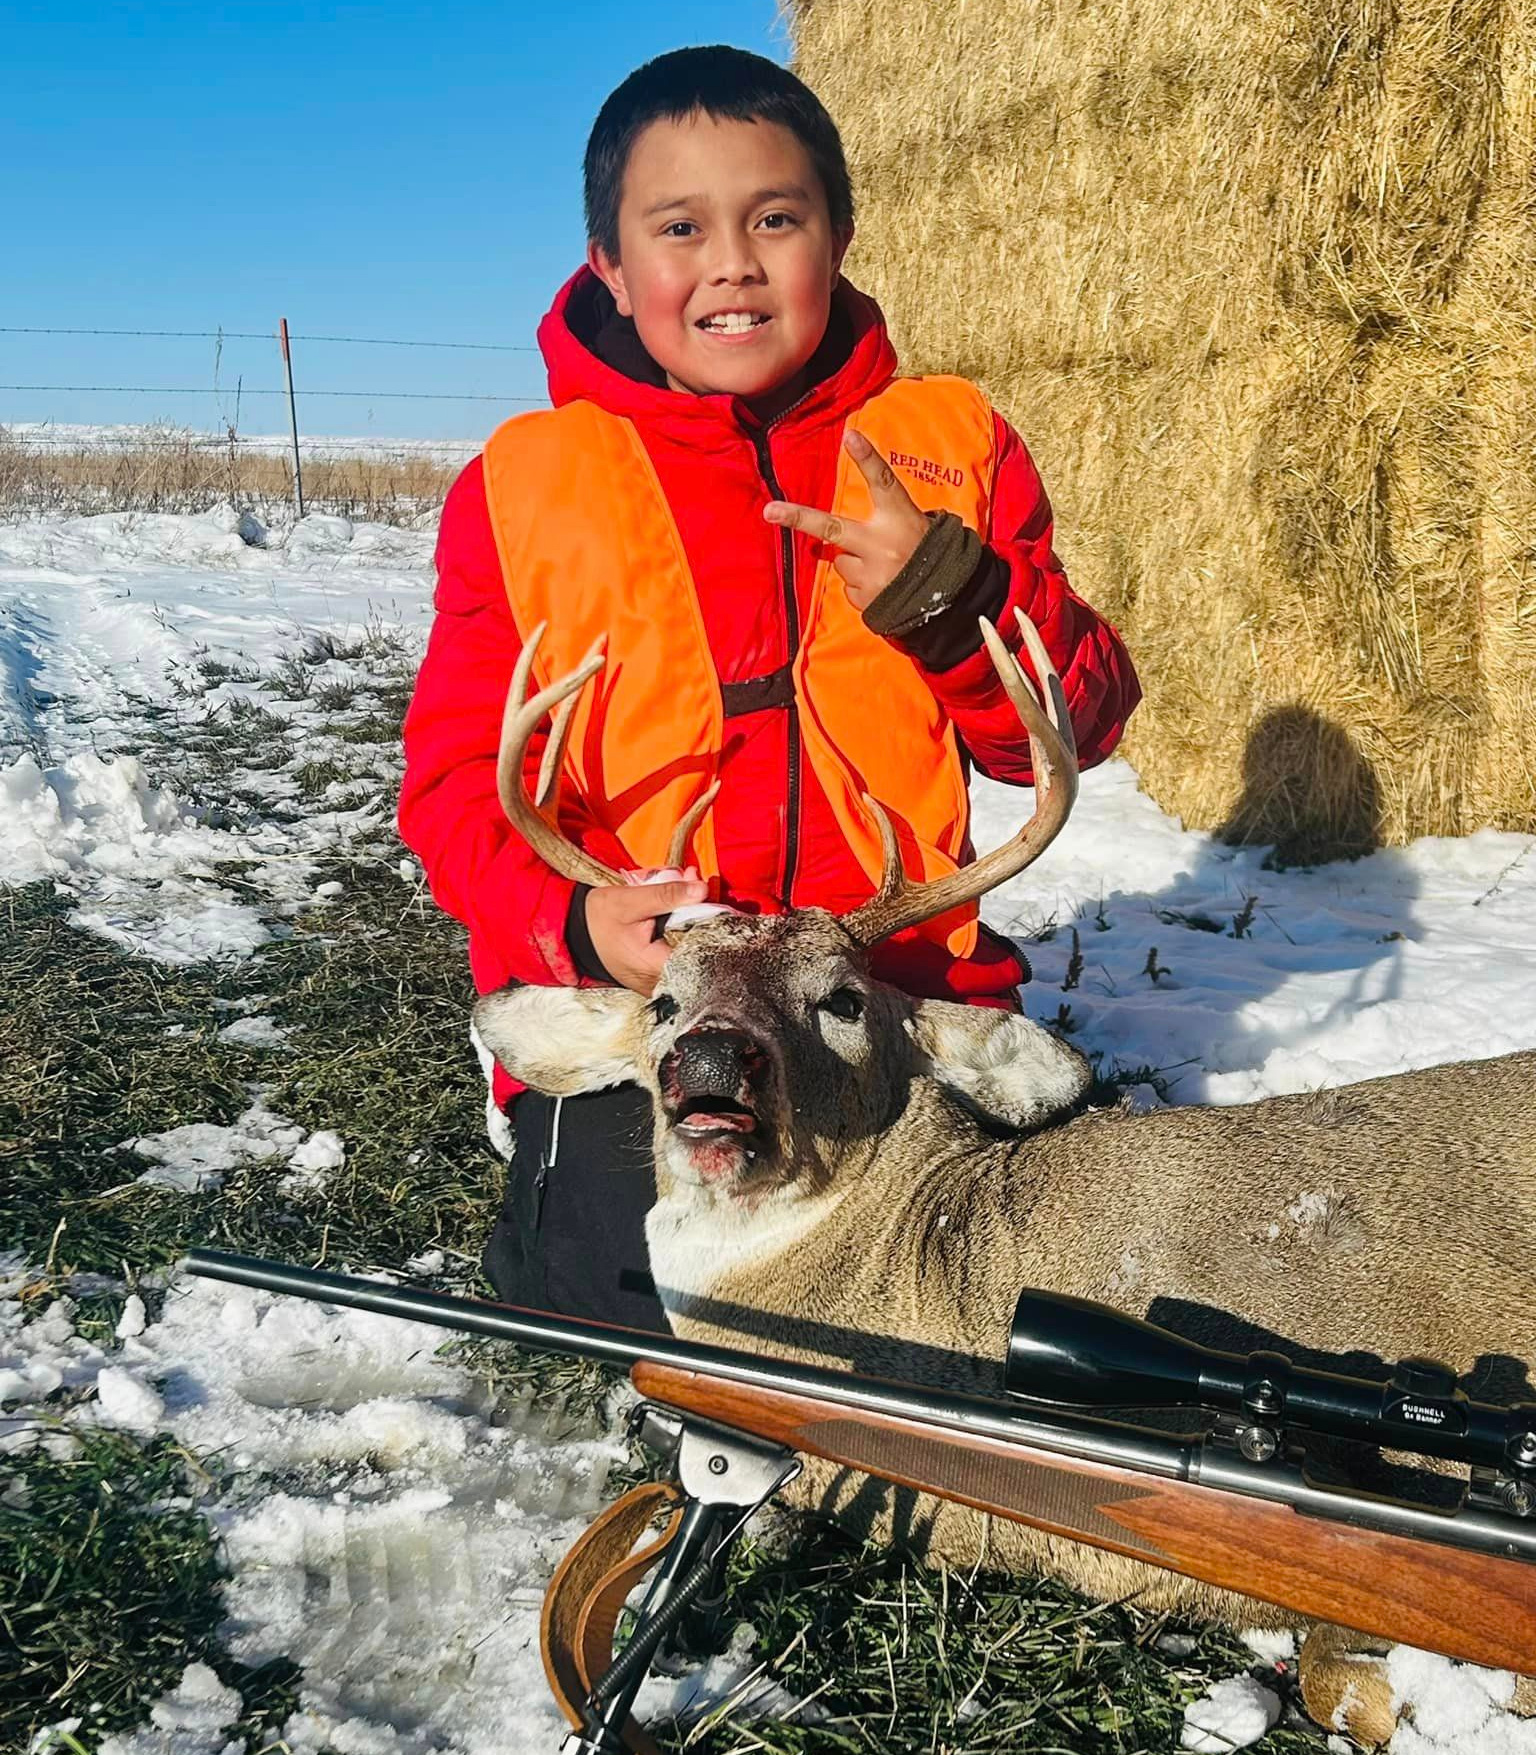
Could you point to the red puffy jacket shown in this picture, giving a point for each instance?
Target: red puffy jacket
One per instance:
(712, 458)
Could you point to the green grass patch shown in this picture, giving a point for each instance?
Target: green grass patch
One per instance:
(898, 1660)
(98, 1047)
(372, 728)
(314, 779)
(109, 1588)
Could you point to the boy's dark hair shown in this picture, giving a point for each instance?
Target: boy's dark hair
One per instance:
(727, 85)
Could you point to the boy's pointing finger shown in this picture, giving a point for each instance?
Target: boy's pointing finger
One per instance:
(822, 525)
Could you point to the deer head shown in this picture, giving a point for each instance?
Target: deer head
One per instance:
(776, 1063)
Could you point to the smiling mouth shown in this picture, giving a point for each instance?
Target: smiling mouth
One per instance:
(746, 323)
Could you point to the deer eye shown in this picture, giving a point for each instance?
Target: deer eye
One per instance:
(843, 1002)
(663, 1008)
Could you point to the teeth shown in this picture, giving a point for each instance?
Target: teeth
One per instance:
(733, 322)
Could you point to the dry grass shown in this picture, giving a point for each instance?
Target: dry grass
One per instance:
(1256, 284)
(170, 469)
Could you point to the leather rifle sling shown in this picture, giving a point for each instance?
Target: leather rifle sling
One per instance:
(586, 1595)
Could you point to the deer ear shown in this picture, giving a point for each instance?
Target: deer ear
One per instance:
(562, 1040)
(1004, 1064)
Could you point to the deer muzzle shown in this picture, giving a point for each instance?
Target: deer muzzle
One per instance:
(710, 1081)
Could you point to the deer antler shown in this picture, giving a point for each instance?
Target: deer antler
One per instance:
(1053, 756)
(520, 719)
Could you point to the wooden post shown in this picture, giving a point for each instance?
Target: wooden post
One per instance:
(293, 419)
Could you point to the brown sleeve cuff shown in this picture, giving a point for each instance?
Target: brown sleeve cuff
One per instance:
(929, 609)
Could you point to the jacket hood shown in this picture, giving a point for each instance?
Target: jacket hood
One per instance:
(594, 354)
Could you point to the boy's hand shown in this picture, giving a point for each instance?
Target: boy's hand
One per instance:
(621, 921)
(874, 550)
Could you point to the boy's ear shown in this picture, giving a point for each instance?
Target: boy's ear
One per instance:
(1006, 1065)
(610, 274)
(563, 1040)
(840, 242)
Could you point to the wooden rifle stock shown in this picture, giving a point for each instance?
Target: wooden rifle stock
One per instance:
(1475, 1606)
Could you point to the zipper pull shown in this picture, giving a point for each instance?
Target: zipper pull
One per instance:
(551, 1150)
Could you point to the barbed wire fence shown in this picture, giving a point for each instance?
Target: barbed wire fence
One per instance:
(162, 464)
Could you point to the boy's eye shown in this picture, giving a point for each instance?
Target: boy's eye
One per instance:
(663, 1008)
(787, 218)
(846, 1003)
(671, 229)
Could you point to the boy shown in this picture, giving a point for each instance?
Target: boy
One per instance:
(790, 607)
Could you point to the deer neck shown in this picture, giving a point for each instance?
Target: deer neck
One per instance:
(697, 1238)
(931, 1176)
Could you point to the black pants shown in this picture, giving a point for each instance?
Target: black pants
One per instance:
(571, 1235)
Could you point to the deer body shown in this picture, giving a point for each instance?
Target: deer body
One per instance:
(854, 1178)
(1396, 1216)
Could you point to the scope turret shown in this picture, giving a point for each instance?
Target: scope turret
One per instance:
(1072, 1352)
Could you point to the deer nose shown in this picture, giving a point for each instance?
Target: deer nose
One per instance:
(709, 1061)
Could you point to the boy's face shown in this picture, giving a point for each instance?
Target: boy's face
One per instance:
(718, 218)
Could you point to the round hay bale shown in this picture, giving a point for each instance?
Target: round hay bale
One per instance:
(1255, 284)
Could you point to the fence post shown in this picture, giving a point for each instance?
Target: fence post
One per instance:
(293, 419)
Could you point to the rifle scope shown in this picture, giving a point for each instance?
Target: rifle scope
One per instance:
(1079, 1354)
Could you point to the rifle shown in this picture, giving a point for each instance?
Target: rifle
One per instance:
(1232, 1506)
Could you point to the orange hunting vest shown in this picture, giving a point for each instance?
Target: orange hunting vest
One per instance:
(588, 545)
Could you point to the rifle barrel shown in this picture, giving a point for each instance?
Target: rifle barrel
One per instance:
(1081, 1439)
(1382, 1565)
(1087, 1440)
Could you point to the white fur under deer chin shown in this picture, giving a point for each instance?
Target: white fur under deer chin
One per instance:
(696, 1235)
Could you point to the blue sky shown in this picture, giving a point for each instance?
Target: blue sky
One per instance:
(370, 170)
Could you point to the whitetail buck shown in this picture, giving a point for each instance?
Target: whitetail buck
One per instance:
(853, 1177)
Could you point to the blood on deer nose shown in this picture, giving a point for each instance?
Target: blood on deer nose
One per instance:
(705, 1062)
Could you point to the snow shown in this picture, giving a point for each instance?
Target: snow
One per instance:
(259, 1032)
(1454, 1709)
(403, 1526)
(55, 1736)
(194, 1158)
(1409, 957)
(1233, 1714)
(1276, 1646)
(733, 1678)
(397, 1524)
(187, 1721)
(312, 1163)
(37, 1357)
(127, 1402)
(106, 617)
(133, 1321)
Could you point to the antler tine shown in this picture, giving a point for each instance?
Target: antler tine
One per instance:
(1009, 670)
(890, 848)
(1053, 757)
(677, 850)
(520, 719)
(560, 732)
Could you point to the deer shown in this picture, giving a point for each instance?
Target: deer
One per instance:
(851, 1177)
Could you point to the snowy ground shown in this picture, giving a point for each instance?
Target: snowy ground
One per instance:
(106, 620)
(399, 1525)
